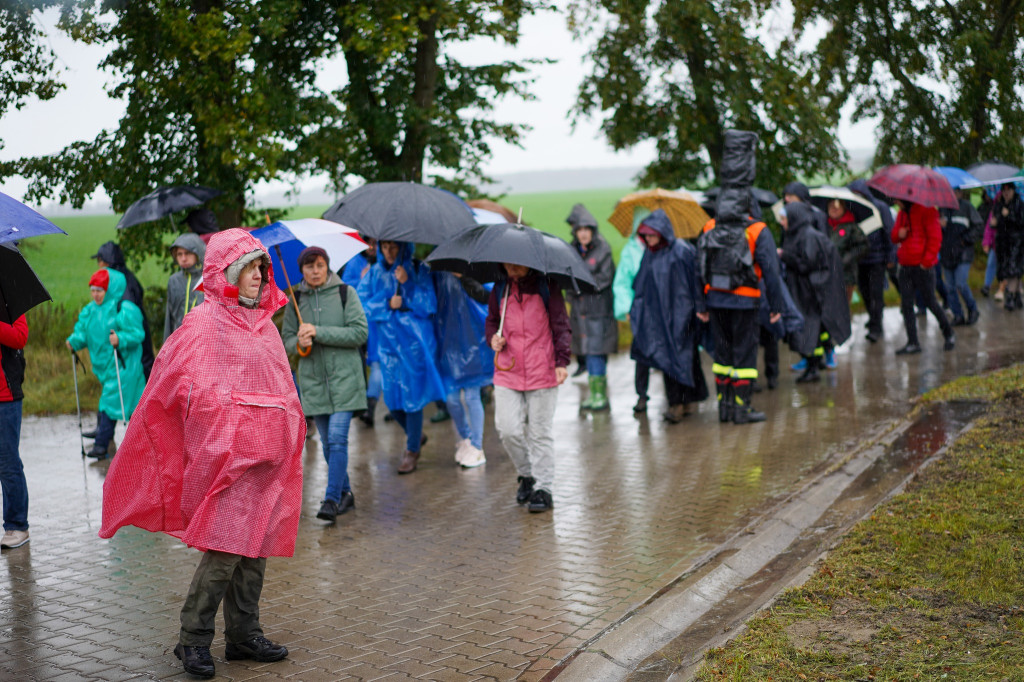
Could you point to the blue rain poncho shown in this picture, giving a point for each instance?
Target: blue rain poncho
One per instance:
(405, 337)
(352, 274)
(663, 315)
(464, 358)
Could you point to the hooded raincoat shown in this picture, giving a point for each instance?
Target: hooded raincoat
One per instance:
(92, 330)
(819, 218)
(592, 317)
(1009, 241)
(663, 316)
(405, 337)
(213, 455)
(464, 358)
(181, 294)
(814, 275)
(113, 256)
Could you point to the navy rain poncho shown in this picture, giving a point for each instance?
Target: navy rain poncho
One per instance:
(663, 316)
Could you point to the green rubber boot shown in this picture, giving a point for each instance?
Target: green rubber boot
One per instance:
(599, 393)
(588, 402)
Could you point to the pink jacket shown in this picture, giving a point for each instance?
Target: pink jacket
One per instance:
(537, 336)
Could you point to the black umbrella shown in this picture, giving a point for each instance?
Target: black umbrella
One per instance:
(20, 288)
(402, 212)
(165, 201)
(992, 170)
(479, 253)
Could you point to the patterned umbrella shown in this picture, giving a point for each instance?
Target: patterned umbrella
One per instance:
(687, 217)
(918, 184)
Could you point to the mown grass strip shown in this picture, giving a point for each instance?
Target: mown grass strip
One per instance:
(931, 586)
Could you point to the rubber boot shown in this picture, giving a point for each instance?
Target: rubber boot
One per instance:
(743, 413)
(725, 400)
(588, 402)
(599, 393)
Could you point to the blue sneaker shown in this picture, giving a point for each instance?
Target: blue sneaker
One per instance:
(830, 358)
(800, 366)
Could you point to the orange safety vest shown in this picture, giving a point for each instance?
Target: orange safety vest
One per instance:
(753, 232)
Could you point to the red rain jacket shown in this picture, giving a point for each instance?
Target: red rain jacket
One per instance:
(213, 452)
(920, 247)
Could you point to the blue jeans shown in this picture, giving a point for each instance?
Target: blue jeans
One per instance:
(333, 429)
(468, 420)
(957, 281)
(373, 382)
(12, 473)
(597, 365)
(412, 424)
(990, 268)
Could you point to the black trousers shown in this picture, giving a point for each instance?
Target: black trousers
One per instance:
(642, 379)
(914, 282)
(735, 337)
(771, 353)
(871, 282)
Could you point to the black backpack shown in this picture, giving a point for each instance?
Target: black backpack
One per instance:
(725, 259)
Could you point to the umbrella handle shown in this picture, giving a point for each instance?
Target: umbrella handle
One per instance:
(501, 326)
(498, 366)
(303, 352)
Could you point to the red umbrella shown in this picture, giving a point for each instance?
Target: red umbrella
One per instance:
(919, 184)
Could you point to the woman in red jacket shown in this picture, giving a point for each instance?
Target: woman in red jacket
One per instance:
(919, 236)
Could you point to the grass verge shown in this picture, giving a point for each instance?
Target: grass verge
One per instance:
(931, 586)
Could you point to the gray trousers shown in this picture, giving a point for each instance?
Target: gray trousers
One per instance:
(237, 581)
(525, 423)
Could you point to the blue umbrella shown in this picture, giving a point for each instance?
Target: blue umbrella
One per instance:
(287, 238)
(957, 177)
(18, 221)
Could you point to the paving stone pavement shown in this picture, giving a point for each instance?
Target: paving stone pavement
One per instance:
(440, 575)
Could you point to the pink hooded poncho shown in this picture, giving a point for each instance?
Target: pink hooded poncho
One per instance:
(213, 452)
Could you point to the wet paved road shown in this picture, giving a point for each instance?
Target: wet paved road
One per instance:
(440, 575)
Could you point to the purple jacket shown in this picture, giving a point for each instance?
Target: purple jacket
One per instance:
(537, 337)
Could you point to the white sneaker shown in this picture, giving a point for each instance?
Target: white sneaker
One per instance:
(474, 457)
(461, 448)
(14, 538)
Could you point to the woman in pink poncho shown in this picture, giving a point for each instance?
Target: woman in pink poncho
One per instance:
(212, 455)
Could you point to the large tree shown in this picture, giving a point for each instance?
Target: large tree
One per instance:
(945, 79)
(408, 101)
(682, 72)
(218, 93)
(27, 65)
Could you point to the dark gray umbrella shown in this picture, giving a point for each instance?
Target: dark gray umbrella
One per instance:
(479, 253)
(165, 201)
(402, 212)
(992, 170)
(20, 288)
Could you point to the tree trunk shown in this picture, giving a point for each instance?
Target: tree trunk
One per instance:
(417, 130)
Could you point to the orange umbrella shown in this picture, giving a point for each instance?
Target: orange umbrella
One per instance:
(687, 217)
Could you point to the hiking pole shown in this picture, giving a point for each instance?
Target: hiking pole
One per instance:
(78, 405)
(304, 352)
(117, 370)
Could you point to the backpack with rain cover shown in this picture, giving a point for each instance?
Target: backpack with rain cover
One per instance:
(725, 259)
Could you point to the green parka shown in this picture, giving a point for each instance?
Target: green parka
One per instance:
(331, 377)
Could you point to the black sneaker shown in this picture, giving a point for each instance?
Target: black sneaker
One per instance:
(909, 349)
(196, 660)
(89, 434)
(258, 649)
(641, 406)
(328, 511)
(97, 452)
(525, 491)
(540, 501)
(950, 343)
(972, 317)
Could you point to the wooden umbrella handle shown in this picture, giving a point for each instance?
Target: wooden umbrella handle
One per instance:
(303, 352)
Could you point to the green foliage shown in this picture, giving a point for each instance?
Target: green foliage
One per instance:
(409, 101)
(681, 73)
(26, 62)
(943, 78)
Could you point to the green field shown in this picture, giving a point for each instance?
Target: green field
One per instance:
(64, 265)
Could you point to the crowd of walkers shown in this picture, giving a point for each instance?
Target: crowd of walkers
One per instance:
(212, 453)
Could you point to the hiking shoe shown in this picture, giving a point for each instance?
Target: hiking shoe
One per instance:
(258, 649)
(328, 511)
(540, 501)
(958, 321)
(525, 491)
(196, 660)
(909, 349)
(97, 452)
(773, 383)
(641, 406)
(873, 337)
(348, 501)
(674, 414)
(984, 291)
(89, 434)
(950, 343)
(972, 317)
(408, 463)
(14, 538)
(474, 457)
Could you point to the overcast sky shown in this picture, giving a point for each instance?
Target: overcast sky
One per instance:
(83, 108)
